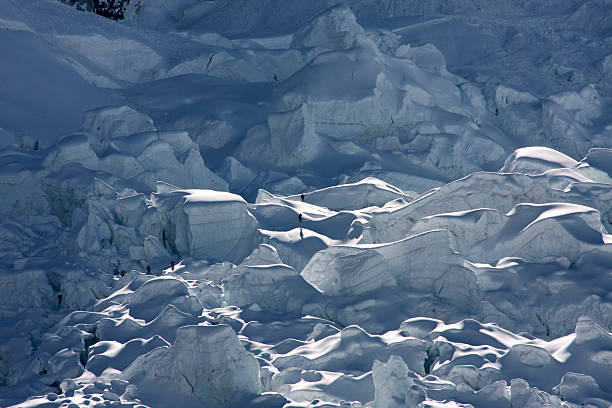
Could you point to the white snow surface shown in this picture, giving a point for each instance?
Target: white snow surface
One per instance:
(265, 204)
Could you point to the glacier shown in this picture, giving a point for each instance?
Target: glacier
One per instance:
(353, 204)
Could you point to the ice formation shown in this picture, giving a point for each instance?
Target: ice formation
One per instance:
(290, 204)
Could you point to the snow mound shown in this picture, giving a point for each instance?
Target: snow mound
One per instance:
(355, 348)
(536, 160)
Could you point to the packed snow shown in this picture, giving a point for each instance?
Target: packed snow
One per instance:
(354, 204)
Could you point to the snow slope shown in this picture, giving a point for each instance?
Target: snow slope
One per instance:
(292, 204)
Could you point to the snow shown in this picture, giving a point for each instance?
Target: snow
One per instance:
(289, 204)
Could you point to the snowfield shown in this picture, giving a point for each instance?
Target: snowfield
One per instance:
(306, 204)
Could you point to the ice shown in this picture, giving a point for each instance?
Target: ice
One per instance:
(293, 138)
(505, 96)
(394, 388)
(193, 223)
(237, 175)
(26, 289)
(74, 148)
(206, 362)
(369, 254)
(347, 271)
(530, 356)
(211, 133)
(355, 270)
(335, 28)
(271, 287)
(596, 165)
(477, 233)
(105, 124)
(123, 58)
(146, 302)
(574, 386)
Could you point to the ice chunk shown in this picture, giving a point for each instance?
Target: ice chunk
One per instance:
(135, 143)
(587, 330)
(264, 254)
(207, 223)
(25, 289)
(293, 138)
(586, 104)
(394, 388)
(333, 387)
(207, 362)
(466, 228)
(154, 251)
(271, 287)
(104, 124)
(129, 209)
(64, 364)
(73, 149)
(576, 387)
(427, 56)
(149, 299)
(334, 28)
(505, 96)
(345, 270)
(238, 176)
(123, 58)
(387, 41)
(597, 165)
(531, 356)
(536, 232)
(209, 133)
(341, 271)
(419, 327)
